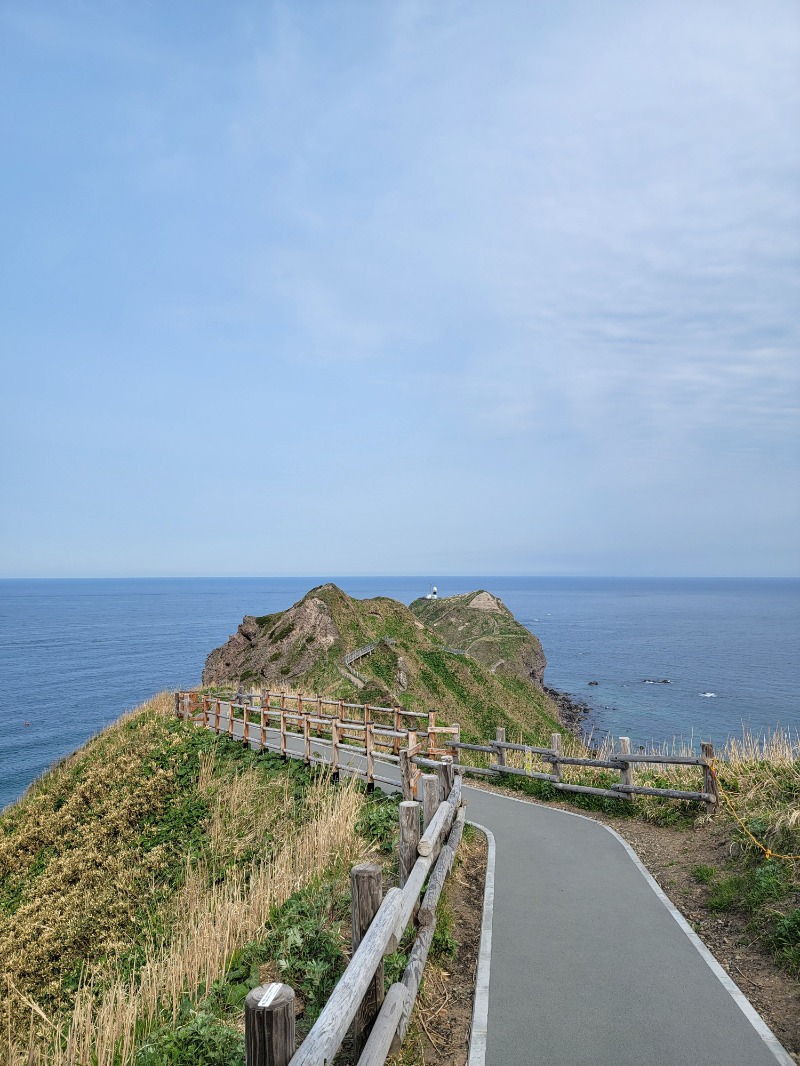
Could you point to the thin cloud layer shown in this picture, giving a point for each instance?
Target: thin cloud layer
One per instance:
(454, 249)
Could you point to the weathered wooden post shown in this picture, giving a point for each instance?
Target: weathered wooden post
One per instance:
(306, 739)
(710, 785)
(455, 750)
(398, 725)
(407, 766)
(500, 738)
(430, 798)
(446, 776)
(269, 1025)
(409, 838)
(555, 744)
(367, 896)
(335, 727)
(369, 744)
(626, 774)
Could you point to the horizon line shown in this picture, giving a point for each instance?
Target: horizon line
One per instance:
(362, 576)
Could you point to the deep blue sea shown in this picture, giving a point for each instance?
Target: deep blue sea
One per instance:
(74, 654)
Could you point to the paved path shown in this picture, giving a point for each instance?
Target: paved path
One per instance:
(588, 966)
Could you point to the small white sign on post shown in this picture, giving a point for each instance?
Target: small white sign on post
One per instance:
(269, 995)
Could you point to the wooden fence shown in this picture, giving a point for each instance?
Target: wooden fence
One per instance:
(412, 740)
(330, 730)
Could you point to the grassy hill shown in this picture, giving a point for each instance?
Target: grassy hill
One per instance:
(153, 877)
(304, 648)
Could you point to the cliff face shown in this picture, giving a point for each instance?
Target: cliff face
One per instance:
(481, 625)
(499, 681)
(275, 648)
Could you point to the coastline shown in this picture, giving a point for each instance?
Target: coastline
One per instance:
(572, 712)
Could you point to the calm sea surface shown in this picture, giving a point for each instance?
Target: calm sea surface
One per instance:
(74, 654)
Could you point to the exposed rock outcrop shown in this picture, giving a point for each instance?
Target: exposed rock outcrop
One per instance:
(275, 648)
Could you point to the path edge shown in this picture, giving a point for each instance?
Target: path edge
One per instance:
(480, 1007)
(740, 999)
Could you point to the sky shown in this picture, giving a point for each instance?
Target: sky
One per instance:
(405, 287)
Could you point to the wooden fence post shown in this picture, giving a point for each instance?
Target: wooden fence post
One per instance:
(446, 776)
(709, 779)
(369, 744)
(335, 748)
(626, 774)
(409, 838)
(216, 715)
(398, 725)
(456, 752)
(269, 1025)
(500, 737)
(263, 727)
(306, 739)
(430, 798)
(367, 895)
(555, 744)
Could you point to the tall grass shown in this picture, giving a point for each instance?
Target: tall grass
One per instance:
(224, 902)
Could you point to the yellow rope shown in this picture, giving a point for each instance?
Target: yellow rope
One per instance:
(767, 851)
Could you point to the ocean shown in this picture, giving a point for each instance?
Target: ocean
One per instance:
(75, 654)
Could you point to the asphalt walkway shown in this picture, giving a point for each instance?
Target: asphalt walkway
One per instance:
(588, 966)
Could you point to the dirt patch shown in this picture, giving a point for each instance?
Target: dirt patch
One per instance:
(442, 1018)
(484, 601)
(670, 855)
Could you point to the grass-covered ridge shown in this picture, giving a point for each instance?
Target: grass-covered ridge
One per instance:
(149, 880)
(303, 648)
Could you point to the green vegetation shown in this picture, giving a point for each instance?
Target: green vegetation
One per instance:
(415, 670)
(149, 879)
(703, 874)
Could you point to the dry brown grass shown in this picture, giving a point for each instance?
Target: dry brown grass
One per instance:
(250, 816)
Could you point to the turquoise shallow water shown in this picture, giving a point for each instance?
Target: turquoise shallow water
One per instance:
(75, 653)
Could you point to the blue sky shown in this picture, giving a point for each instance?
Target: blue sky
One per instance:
(411, 287)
